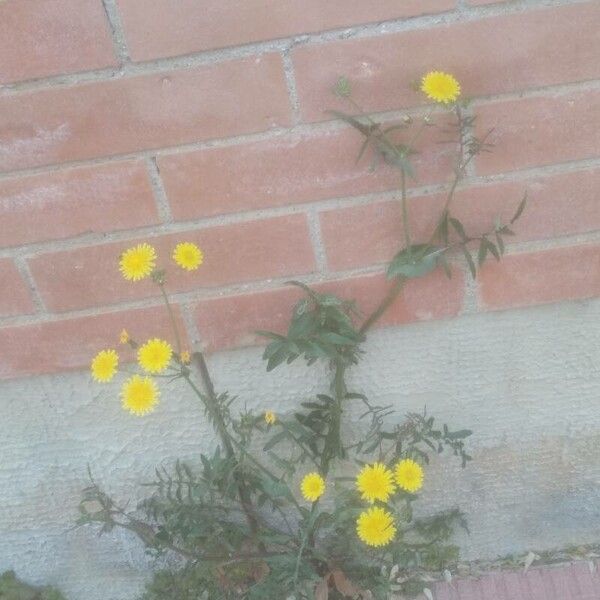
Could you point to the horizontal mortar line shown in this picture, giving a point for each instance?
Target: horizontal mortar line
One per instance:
(281, 45)
(302, 129)
(271, 284)
(191, 297)
(85, 240)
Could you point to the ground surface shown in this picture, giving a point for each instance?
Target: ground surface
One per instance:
(577, 581)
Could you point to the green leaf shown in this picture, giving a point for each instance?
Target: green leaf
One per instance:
(458, 227)
(276, 439)
(483, 249)
(470, 262)
(342, 87)
(416, 261)
(520, 208)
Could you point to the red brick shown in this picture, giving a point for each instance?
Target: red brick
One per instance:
(490, 56)
(540, 131)
(40, 38)
(559, 204)
(15, 298)
(288, 170)
(72, 202)
(166, 28)
(540, 277)
(256, 250)
(72, 343)
(231, 321)
(151, 111)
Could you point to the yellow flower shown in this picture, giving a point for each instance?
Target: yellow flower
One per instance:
(409, 475)
(270, 417)
(104, 366)
(375, 482)
(154, 356)
(440, 87)
(188, 256)
(137, 262)
(124, 337)
(185, 357)
(139, 395)
(312, 487)
(375, 527)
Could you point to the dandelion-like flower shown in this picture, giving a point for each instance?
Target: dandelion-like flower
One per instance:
(124, 337)
(155, 355)
(104, 365)
(140, 395)
(312, 487)
(440, 87)
(270, 417)
(375, 527)
(409, 475)
(185, 357)
(138, 262)
(375, 482)
(188, 256)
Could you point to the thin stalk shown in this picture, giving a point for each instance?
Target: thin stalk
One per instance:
(405, 217)
(171, 316)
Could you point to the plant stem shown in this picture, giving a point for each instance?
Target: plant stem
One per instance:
(405, 217)
(171, 316)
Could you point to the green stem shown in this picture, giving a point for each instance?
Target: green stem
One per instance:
(405, 217)
(171, 316)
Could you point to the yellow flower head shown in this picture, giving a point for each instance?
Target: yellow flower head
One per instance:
(185, 357)
(375, 527)
(440, 87)
(154, 356)
(188, 256)
(137, 262)
(312, 487)
(409, 475)
(375, 482)
(104, 366)
(124, 337)
(270, 417)
(139, 395)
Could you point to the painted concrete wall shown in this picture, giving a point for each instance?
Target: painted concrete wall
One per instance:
(526, 381)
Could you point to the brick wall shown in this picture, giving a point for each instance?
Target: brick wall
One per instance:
(205, 121)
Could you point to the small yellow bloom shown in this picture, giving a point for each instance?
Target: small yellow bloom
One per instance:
(124, 337)
(104, 366)
(312, 487)
(270, 417)
(188, 256)
(139, 395)
(375, 527)
(375, 482)
(440, 87)
(154, 356)
(137, 262)
(409, 475)
(185, 357)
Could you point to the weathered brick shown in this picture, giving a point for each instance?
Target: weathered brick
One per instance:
(289, 170)
(570, 273)
(166, 28)
(256, 250)
(557, 205)
(69, 344)
(231, 321)
(15, 298)
(40, 38)
(540, 131)
(137, 113)
(496, 54)
(72, 202)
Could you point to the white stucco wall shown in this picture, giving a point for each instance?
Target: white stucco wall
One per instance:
(526, 381)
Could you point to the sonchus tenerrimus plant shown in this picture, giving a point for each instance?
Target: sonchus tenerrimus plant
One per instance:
(293, 506)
